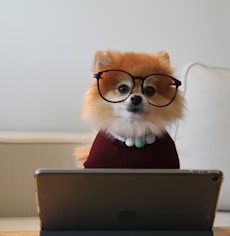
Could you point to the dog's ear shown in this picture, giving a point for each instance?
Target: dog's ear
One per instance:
(164, 56)
(102, 59)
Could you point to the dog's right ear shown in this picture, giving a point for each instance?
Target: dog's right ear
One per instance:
(102, 60)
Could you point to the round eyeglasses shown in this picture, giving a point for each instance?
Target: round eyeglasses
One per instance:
(117, 85)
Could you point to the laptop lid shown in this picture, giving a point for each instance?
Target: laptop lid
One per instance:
(127, 199)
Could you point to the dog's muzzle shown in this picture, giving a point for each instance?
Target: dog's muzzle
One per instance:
(135, 104)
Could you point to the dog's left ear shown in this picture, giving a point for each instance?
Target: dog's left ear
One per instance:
(101, 60)
(164, 56)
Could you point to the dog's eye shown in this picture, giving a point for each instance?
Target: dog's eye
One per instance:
(124, 89)
(149, 91)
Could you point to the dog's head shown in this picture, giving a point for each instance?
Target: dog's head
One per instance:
(134, 94)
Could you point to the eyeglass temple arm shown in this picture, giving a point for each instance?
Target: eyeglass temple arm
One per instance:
(177, 83)
(97, 75)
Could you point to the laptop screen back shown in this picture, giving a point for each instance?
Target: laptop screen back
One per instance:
(127, 199)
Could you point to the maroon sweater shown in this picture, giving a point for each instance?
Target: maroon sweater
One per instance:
(109, 153)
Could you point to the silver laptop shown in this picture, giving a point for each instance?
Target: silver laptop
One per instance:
(127, 202)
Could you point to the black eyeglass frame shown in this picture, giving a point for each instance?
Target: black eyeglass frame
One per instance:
(97, 76)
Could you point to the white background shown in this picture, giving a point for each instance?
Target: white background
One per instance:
(47, 48)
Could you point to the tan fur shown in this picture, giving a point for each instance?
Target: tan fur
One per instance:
(105, 116)
(81, 154)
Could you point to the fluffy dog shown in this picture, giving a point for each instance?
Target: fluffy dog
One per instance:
(133, 99)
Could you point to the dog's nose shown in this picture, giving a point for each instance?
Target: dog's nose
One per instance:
(136, 100)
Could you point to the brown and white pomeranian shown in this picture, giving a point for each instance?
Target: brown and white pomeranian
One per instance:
(132, 100)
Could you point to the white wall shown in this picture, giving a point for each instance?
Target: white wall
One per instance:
(47, 48)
